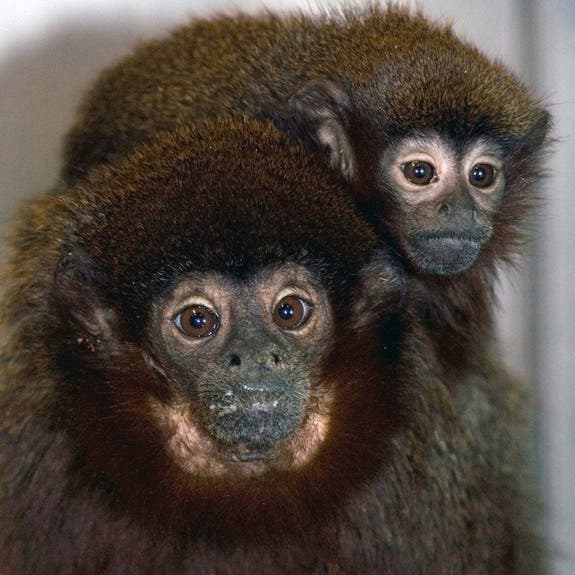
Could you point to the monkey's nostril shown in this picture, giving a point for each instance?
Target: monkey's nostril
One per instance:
(235, 360)
(276, 359)
(444, 209)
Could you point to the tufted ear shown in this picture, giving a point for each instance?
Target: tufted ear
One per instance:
(541, 129)
(324, 108)
(535, 141)
(380, 289)
(76, 295)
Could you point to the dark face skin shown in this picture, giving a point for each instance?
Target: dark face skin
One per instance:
(442, 194)
(244, 353)
(232, 387)
(445, 199)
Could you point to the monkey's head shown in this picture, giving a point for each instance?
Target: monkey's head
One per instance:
(220, 358)
(440, 144)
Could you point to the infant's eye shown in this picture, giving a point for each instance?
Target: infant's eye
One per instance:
(291, 312)
(482, 175)
(419, 172)
(197, 321)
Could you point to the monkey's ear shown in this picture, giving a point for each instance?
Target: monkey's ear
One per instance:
(324, 108)
(537, 137)
(540, 130)
(77, 297)
(380, 290)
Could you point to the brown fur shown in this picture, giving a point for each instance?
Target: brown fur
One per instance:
(405, 72)
(411, 479)
(400, 74)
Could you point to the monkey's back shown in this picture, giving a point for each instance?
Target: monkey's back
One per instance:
(254, 64)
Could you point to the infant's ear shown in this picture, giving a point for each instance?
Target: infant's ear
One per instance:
(76, 294)
(379, 290)
(324, 108)
(537, 139)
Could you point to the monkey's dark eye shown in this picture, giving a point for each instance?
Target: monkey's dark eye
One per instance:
(197, 321)
(291, 312)
(482, 175)
(419, 172)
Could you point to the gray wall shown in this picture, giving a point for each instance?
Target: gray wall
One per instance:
(45, 67)
(553, 281)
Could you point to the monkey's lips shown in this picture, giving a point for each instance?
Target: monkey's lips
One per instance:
(253, 427)
(246, 454)
(444, 254)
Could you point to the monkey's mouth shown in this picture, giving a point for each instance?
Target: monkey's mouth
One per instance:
(246, 454)
(250, 422)
(243, 452)
(444, 254)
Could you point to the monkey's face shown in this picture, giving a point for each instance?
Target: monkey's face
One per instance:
(440, 146)
(243, 361)
(445, 198)
(235, 393)
(250, 400)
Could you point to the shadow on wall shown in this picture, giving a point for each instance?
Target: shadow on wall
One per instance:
(41, 86)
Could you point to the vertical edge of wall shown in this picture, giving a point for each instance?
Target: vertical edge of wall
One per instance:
(549, 56)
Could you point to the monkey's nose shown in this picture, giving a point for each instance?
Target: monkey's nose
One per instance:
(443, 209)
(267, 359)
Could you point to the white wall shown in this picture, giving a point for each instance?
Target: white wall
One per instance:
(49, 51)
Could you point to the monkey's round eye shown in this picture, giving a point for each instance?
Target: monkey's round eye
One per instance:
(419, 172)
(291, 312)
(482, 175)
(197, 321)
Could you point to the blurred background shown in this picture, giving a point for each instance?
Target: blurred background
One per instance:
(50, 51)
